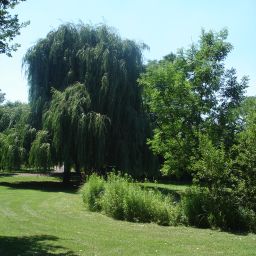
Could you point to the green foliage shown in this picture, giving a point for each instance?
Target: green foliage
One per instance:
(14, 115)
(246, 109)
(10, 26)
(195, 205)
(213, 169)
(92, 192)
(225, 119)
(78, 133)
(244, 163)
(13, 130)
(114, 196)
(122, 199)
(204, 209)
(40, 152)
(189, 92)
(108, 68)
(2, 96)
(12, 152)
(148, 206)
(169, 98)
(225, 196)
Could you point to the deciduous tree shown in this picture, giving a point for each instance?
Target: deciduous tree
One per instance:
(188, 93)
(10, 26)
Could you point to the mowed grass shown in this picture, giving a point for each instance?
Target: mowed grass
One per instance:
(38, 216)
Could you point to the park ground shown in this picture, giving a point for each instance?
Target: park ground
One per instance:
(39, 216)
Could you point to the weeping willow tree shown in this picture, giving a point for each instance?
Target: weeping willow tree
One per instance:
(78, 133)
(40, 152)
(15, 135)
(11, 151)
(107, 67)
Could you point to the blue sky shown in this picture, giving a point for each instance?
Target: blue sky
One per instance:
(164, 25)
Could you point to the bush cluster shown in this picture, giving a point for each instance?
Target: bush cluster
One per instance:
(224, 195)
(122, 199)
(92, 192)
(205, 209)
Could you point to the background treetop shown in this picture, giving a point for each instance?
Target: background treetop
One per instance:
(2, 96)
(10, 26)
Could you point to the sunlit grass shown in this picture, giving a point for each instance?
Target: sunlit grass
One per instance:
(38, 216)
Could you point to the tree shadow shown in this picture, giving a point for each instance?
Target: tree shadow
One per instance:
(237, 232)
(41, 245)
(6, 174)
(45, 186)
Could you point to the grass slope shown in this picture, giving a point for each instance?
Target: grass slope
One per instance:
(39, 217)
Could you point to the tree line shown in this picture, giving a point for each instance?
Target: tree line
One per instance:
(94, 105)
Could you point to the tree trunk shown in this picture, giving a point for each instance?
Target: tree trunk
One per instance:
(78, 171)
(66, 173)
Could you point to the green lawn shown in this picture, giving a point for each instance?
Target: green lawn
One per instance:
(39, 217)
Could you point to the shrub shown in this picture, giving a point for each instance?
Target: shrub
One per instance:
(147, 206)
(196, 207)
(123, 199)
(113, 199)
(137, 206)
(221, 199)
(164, 212)
(92, 192)
(205, 209)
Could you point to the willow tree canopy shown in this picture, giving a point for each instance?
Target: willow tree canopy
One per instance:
(108, 68)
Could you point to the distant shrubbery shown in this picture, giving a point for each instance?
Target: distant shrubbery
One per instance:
(122, 199)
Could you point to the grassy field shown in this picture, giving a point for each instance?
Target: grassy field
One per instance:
(40, 217)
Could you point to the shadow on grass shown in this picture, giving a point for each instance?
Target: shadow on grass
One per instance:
(6, 174)
(42, 245)
(45, 186)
